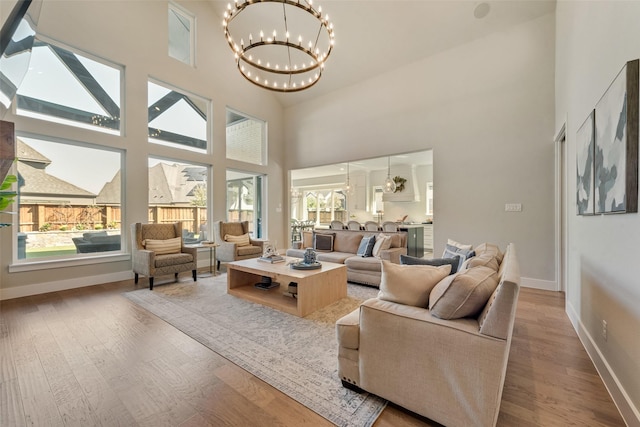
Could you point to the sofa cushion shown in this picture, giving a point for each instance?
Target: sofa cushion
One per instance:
(365, 249)
(409, 284)
(162, 247)
(241, 240)
(307, 239)
(382, 242)
(168, 260)
(464, 294)
(487, 259)
(489, 248)
(363, 264)
(347, 241)
(323, 242)
(437, 262)
(248, 250)
(337, 257)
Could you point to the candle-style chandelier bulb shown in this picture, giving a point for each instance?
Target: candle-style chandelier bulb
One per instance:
(282, 55)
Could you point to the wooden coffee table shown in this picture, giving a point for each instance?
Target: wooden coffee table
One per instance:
(316, 288)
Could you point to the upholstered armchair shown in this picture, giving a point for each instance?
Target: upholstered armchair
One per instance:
(234, 242)
(157, 250)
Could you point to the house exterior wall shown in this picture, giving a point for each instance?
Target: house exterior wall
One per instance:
(594, 41)
(134, 34)
(486, 109)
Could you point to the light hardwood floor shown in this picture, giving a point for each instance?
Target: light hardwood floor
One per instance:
(91, 357)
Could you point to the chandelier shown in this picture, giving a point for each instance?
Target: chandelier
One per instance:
(280, 45)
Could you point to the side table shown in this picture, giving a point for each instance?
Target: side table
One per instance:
(212, 255)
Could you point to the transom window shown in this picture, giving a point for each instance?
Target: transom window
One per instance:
(181, 34)
(71, 88)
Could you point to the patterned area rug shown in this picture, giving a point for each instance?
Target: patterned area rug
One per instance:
(298, 356)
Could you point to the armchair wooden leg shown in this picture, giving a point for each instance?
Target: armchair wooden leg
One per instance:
(194, 273)
(150, 283)
(176, 276)
(135, 278)
(218, 265)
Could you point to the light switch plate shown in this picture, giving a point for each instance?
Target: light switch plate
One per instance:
(513, 207)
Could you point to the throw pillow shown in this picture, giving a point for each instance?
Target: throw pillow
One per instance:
(437, 262)
(323, 242)
(409, 284)
(383, 242)
(451, 242)
(163, 247)
(366, 246)
(464, 294)
(242, 240)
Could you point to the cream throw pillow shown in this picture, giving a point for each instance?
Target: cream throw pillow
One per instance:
(383, 242)
(464, 294)
(163, 247)
(409, 284)
(459, 245)
(242, 240)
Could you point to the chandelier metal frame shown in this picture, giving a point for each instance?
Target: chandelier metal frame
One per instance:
(245, 60)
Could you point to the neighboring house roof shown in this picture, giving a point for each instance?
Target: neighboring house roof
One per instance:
(110, 192)
(38, 182)
(169, 184)
(27, 154)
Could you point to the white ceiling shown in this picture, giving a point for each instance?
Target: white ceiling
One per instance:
(376, 36)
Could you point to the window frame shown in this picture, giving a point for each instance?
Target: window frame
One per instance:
(29, 264)
(69, 122)
(184, 13)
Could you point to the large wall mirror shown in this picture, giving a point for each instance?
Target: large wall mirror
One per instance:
(354, 191)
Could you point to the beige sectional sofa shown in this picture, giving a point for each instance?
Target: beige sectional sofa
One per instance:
(364, 270)
(449, 370)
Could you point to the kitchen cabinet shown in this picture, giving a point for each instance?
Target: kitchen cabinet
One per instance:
(415, 239)
(428, 236)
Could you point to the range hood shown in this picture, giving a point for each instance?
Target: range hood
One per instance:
(410, 193)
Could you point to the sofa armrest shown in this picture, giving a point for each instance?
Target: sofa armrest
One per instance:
(348, 330)
(393, 254)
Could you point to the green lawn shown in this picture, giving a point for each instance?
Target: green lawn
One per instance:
(46, 252)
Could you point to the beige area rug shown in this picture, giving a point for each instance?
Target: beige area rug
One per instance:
(298, 356)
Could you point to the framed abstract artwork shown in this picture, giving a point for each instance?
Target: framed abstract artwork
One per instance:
(585, 150)
(616, 144)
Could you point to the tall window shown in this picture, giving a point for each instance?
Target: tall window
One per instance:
(71, 88)
(69, 199)
(246, 138)
(181, 34)
(245, 201)
(176, 118)
(178, 192)
(324, 206)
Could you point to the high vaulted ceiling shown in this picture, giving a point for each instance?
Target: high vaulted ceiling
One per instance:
(376, 36)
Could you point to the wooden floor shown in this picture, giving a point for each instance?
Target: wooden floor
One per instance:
(89, 357)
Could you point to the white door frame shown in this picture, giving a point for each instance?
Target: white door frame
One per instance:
(561, 204)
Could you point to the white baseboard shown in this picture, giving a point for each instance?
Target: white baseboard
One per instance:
(79, 282)
(62, 285)
(546, 285)
(627, 409)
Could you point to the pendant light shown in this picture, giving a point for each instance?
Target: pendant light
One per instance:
(389, 185)
(348, 189)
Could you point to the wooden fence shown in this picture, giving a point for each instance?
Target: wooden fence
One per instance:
(40, 217)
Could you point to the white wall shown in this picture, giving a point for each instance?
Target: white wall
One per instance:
(594, 41)
(485, 108)
(134, 34)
